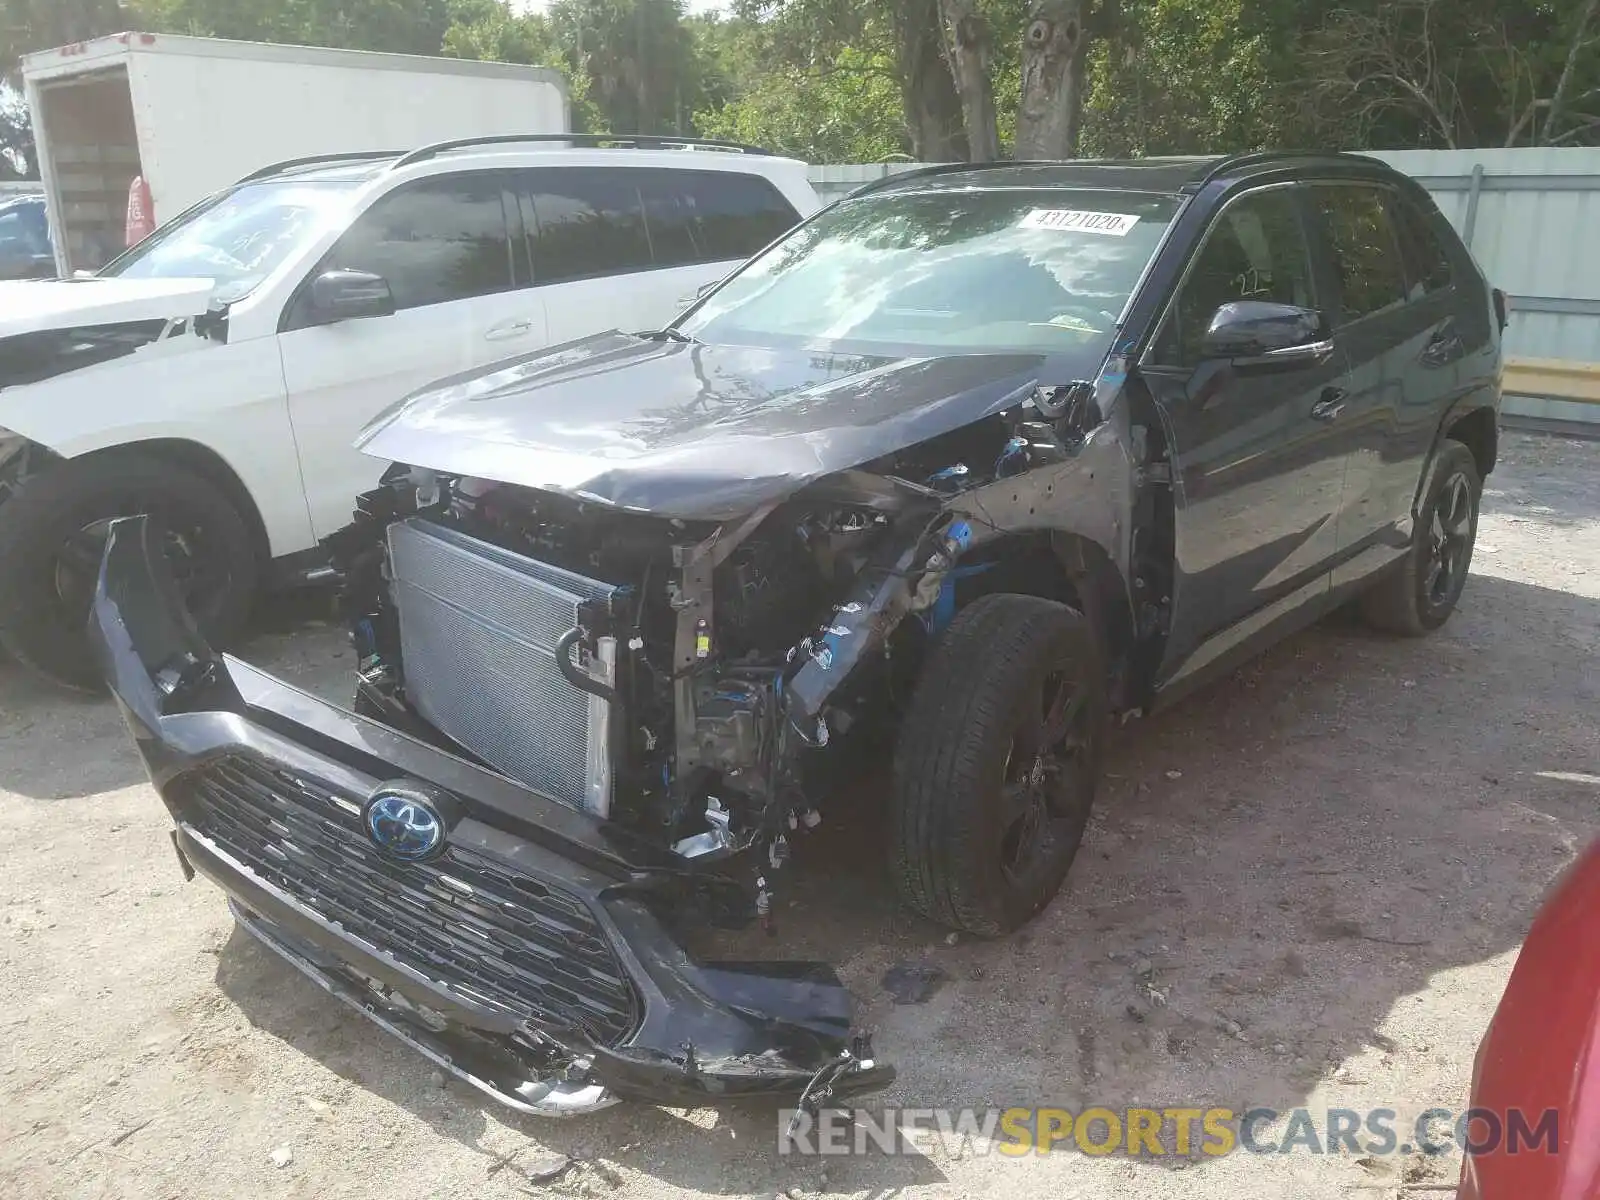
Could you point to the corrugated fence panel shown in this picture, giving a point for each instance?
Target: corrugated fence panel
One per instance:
(1532, 219)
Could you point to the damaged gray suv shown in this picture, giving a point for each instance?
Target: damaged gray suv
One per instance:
(962, 467)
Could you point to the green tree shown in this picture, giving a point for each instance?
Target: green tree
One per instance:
(849, 113)
(29, 25)
(399, 26)
(490, 30)
(1452, 74)
(816, 79)
(1183, 78)
(638, 57)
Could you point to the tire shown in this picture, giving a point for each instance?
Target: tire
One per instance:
(50, 531)
(965, 754)
(1419, 594)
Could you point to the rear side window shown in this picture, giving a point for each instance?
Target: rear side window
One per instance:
(1427, 262)
(436, 240)
(670, 214)
(587, 222)
(596, 221)
(1366, 254)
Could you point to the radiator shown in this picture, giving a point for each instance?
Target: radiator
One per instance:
(478, 630)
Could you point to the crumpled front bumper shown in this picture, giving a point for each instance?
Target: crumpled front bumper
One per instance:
(531, 961)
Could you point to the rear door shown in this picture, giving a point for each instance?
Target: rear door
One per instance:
(460, 285)
(1392, 307)
(628, 247)
(1258, 478)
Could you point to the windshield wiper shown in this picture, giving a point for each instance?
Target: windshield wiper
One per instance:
(667, 335)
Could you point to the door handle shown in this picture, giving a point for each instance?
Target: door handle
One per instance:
(1443, 347)
(1329, 406)
(507, 330)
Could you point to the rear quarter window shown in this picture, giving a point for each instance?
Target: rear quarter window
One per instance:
(735, 215)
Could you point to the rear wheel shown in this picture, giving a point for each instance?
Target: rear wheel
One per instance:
(1421, 592)
(53, 529)
(997, 763)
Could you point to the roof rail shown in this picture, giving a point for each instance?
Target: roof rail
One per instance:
(873, 185)
(595, 140)
(312, 160)
(1233, 162)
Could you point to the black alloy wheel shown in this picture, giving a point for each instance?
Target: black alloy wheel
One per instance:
(52, 533)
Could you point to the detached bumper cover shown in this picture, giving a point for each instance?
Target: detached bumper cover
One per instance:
(527, 958)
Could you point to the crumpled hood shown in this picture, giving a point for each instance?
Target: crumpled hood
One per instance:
(688, 429)
(37, 306)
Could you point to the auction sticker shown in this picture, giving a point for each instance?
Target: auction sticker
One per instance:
(1075, 220)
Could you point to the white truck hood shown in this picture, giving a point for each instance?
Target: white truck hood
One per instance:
(34, 307)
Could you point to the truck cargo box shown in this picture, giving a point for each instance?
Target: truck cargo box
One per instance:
(192, 115)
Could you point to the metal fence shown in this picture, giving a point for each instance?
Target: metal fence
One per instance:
(1532, 219)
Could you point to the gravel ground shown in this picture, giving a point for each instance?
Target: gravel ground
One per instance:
(1305, 886)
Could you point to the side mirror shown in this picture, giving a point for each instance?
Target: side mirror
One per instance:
(1257, 333)
(342, 295)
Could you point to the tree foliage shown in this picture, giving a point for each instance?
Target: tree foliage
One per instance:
(867, 80)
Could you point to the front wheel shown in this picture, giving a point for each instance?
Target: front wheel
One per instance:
(1419, 594)
(52, 532)
(997, 763)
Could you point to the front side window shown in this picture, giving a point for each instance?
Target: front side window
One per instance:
(1009, 269)
(1366, 255)
(434, 241)
(238, 237)
(1256, 251)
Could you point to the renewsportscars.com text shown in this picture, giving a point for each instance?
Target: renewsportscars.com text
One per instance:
(1160, 1132)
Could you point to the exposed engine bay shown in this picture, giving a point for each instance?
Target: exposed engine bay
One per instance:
(720, 665)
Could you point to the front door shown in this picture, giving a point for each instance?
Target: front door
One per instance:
(460, 282)
(1259, 469)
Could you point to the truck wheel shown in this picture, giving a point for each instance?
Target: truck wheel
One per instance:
(52, 531)
(1419, 594)
(997, 763)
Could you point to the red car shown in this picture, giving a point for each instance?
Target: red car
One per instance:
(1535, 1124)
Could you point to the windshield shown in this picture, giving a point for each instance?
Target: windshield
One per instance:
(1031, 270)
(237, 237)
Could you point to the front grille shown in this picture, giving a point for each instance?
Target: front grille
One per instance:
(478, 630)
(489, 932)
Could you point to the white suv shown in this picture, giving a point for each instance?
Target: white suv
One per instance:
(216, 375)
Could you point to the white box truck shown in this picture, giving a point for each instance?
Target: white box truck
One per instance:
(193, 115)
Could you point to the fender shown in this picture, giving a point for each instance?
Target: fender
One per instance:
(176, 386)
(1470, 407)
(1085, 500)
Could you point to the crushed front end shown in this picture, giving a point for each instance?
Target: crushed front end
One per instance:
(511, 931)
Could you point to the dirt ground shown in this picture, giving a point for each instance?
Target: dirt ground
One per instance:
(1305, 886)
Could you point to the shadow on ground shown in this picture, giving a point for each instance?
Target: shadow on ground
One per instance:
(44, 726)
(1275, 865)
